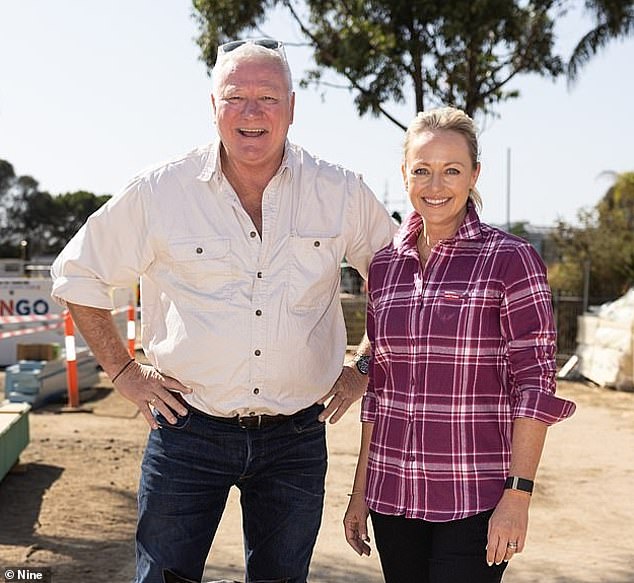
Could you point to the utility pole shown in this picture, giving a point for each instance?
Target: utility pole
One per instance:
(508, 190)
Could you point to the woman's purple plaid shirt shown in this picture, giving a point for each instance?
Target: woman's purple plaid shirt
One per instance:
(459, 351)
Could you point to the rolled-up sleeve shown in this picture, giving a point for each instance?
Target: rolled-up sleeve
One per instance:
(110, 251)
(542, 406)
(529, 327)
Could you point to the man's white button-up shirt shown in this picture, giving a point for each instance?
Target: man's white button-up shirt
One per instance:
(252, 324)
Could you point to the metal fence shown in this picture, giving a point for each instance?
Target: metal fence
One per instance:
(567, 309)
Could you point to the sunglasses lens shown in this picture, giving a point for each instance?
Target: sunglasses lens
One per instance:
(267, 43)
(230, 46)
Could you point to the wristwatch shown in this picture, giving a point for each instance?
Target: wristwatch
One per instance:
(522, 484)
(362, 362)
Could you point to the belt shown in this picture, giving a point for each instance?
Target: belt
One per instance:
(254, 421)
(246, 421)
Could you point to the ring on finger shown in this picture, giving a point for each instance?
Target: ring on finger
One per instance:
(512, 545)
(152, 401)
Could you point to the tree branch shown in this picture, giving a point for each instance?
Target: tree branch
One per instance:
(355, 84)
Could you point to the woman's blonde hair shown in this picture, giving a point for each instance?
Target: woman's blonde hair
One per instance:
(447, 118)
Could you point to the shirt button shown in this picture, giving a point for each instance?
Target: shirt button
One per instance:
(199, 250)
(257, 352)
(259, 275)
(258, 312)
(316, 243)
(253, 234)
(256, 391)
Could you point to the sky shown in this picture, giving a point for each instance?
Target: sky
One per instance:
(92, 92)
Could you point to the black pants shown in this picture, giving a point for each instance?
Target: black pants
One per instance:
(417, 551)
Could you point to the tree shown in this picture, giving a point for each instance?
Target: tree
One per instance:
(464, 53)
(614, 19)
(7, 174)
(28, 214)
(16, 196)
(72, 210)
(7, 178)
(601, 247)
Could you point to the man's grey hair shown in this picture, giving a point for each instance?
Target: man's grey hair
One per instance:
(248, 52)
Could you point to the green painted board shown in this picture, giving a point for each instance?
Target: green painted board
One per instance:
(14, 434)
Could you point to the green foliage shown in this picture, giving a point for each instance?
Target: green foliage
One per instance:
(47, 222)
(603, 242)
(224, 20)
(519, 229)
(614, 19)
(464, 52)
(73, 209)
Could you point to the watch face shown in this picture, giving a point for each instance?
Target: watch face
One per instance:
(363, 364)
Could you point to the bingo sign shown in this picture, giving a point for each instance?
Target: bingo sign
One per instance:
(24, 307)
(28, 299)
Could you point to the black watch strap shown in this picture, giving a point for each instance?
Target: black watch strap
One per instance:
(522, 484)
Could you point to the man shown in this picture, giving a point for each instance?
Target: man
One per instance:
(238, 246)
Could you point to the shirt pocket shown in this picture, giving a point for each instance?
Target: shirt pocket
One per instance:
(459, 307)
(203, 270)
(315, 271)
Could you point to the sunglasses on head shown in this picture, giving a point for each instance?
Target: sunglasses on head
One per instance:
(267, 43)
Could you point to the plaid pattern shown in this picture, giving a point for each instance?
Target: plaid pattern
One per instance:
(459, 351)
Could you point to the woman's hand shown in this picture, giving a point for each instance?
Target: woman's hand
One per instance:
(355, 524)
(507, 527)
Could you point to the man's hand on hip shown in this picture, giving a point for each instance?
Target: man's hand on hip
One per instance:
(148, 389)
(350, 387)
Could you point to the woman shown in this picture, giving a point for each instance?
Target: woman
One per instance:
(462, 382)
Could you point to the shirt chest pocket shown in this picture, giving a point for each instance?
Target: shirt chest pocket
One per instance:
(203, 264)
(315, 271)
(460, 310)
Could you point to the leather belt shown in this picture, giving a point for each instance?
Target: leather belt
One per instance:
(253, 421)
(246, 421)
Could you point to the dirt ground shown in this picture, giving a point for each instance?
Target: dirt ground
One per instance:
(70, 505)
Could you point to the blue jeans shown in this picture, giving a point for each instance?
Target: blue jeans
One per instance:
(186, 475)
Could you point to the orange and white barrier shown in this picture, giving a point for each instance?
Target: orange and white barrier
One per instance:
(31, 318)
(131, 330)
(24, 331)
(51, 322)
(71, 360)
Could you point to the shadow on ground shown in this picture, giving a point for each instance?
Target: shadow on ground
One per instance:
(21, 494)
(25, 541)
(320, 572)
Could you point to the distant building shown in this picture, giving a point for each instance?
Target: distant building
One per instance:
(11, 267)
(35, 267)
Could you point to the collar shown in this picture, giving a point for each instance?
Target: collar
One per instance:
(405, 238)
(212, 169)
